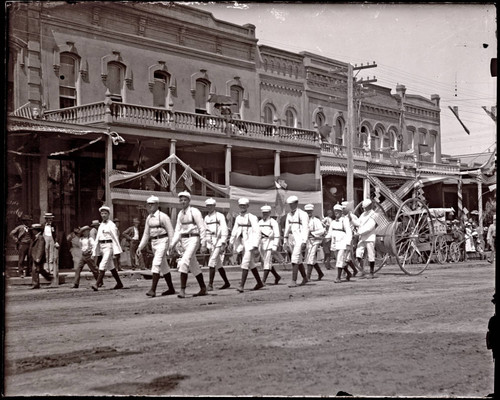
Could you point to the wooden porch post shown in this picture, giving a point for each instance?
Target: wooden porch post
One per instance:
(228, 166)
(108, 166)
(277, 164)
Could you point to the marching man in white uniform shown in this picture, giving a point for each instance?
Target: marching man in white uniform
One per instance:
(106, 244)
(295, 236)
(191, 231)
(217, 234)
(340, 232)
(158, 230)
(350, 217)
(316, 233)
(270, 237)
(366, 230)
(247, 233)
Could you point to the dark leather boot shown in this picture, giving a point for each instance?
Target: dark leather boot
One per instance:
(277, 277)
(256, 275)
(152, 291)
(211, 276)
(222, 273)
(98, 283)
(119, 284)
(319, 271)
(303, 274)
(348, 273)
(171, 289)
(182, 293)
(264, 278)
(244, 274)
(309, 271)
(203, 288)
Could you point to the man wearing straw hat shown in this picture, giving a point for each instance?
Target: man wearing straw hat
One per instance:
(158, 230)
(295, 236)
(93, 230)
(107, 244)
(190, 230)
(49, 236)
(22, 237)
(86, 245)
(270, 237)
(37, 254)
(217, 234)
(246, 230)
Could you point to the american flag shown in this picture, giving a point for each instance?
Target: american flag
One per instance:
(164, 178)
(188, 179)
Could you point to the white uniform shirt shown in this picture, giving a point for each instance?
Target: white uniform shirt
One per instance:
(190, 221)
(366, 226)
(246, 227)
(316, 229)
(340, 232)
(216, 229)
(86, 243)
(270, 233)
(156, 224)
(298, 225)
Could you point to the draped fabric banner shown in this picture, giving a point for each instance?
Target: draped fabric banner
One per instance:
(260, 197)
(302, 182)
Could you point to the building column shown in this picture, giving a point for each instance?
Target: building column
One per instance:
(108, 166)
(277, 164)
(366, 188)
(228, 166)
(43, 180)
(317, 169)
(171, 168)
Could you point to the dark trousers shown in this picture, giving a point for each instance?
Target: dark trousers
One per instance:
(23, 252)
(86, 259)
(134, 244)
(36, 270)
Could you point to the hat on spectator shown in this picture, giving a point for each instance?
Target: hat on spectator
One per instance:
(243, 201)
(265, 208)
(116, 220)
(184, 194)
(49, 215)
(134, 220)
(366, 203)
(337, 207)
(36, 226)
(152, 200)
(309, 207)
(292, 199)
(104, 208)
(85, 228)
(210, 202)
(95, 223)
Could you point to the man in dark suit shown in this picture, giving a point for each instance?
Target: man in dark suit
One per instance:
(133, 236)
(37, 254)
(50, 238)
(22, 237)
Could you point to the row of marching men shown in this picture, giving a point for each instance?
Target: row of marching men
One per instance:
(303, 233)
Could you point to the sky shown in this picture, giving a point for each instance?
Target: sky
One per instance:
(442, 49)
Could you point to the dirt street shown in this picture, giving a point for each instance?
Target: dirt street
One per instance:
(396, 335)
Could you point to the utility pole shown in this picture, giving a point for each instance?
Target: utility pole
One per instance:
(352, 125)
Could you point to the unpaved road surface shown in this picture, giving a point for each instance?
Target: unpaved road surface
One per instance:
(396, 335)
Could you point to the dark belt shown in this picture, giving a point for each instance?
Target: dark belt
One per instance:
(187, 235)
(158, 237)
(105, 241)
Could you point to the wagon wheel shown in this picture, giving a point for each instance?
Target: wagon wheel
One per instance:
(381, 259)
(454, 253)
(413, 237)
(441, 250)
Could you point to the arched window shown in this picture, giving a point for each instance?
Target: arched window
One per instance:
(320, 119)
(399, 143)
(411, 139)
(339, 132)
(237, 97)
(114, 80)
(290, 119)
(201, 96)
(423, 137)
(160, 88)
(67, 80)
(268, 114)
(362, 137)
(375, 139)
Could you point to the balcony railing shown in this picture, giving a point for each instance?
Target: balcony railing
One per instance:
(178, 120)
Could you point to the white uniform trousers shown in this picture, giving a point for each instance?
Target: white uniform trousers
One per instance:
(312, 251)
(340, 257)
(160, 264)
(370, 248)
(188, 261)
(296, 257)
(107, 263)
(216, 256)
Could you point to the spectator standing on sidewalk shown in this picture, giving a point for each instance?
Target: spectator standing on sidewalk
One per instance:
(158, 232)
(22, 238)
(93, 229)
(86, 245)
(132, 234)
(50, 238)
(37, 254)
(74, 242)
(107, 244)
